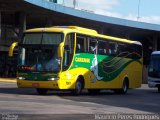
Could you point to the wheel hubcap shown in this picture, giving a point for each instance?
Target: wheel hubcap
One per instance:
(79, 87)
(125, 87)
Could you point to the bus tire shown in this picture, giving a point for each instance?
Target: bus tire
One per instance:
(41, 91)
(94, 91)
(124, 88)
(78, 87)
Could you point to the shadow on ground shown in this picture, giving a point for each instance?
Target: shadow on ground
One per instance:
(147, 100)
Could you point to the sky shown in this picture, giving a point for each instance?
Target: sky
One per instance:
(137, 10)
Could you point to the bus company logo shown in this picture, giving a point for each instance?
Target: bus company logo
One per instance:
(83, 60)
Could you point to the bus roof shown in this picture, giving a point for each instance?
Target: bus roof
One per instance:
(81, 30)
(63, 29)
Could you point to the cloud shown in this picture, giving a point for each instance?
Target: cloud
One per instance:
(97, 5)
(150, 19)
(105, 7)
(147, 19)
(94, 5)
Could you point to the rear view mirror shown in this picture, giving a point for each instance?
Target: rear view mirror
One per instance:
(11, 48)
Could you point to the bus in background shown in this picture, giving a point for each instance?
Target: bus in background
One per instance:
(75, 58)
(154, 70)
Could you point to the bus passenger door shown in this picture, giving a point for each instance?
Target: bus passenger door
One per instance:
(68, 51)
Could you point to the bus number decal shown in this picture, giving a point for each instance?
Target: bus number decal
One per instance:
(68, 83)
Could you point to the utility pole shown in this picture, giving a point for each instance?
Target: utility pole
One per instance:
(75, 3)
(138, 17)
(63, 3)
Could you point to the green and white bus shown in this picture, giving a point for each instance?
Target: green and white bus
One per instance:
(75, 58)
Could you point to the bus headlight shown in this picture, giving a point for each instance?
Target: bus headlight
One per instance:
(53, 79)
(20, 78)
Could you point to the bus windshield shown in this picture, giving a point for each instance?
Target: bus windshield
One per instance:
(42, 38)
(154, 67)
(38, 52)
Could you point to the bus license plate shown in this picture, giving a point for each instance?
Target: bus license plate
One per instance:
(35, 85)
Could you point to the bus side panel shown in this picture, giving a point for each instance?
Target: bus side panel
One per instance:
(132, 71)
(69, 77)
(104, 72)
(72, 75)
(138, 73)
(134, 74)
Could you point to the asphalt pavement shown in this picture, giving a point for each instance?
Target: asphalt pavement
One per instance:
(26, 103)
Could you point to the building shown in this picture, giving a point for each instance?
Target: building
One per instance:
(56, 1)
(18, 15)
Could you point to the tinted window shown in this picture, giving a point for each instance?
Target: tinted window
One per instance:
(43, 38)
(80, 45)
(113, 48)
(102, 47)
(92, 45)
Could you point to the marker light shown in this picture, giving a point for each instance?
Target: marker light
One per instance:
(53, 79)
(20, 78)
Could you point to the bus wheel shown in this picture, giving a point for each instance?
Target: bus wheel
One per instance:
(94, 91)
(159, 89)
(124, 88)
(41, 91)
(78, 87)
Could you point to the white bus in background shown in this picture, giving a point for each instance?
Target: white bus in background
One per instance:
(154, 70)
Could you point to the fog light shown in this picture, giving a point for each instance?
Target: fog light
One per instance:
(20, 78)
(53, 79)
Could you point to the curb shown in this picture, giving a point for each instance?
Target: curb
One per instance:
(6, 80)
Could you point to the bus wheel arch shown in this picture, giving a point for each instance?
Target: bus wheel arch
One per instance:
(124, 87)
(79, 85)
(81, 78)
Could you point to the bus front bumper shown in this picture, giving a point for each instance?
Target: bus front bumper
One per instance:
(57, 84)
(153, 82)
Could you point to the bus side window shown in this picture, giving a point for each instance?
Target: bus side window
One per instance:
(138, 51)
(113, 48)
(122, 51)
(102, 47)
(92, 45)
(80, 44)
(130, 50)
